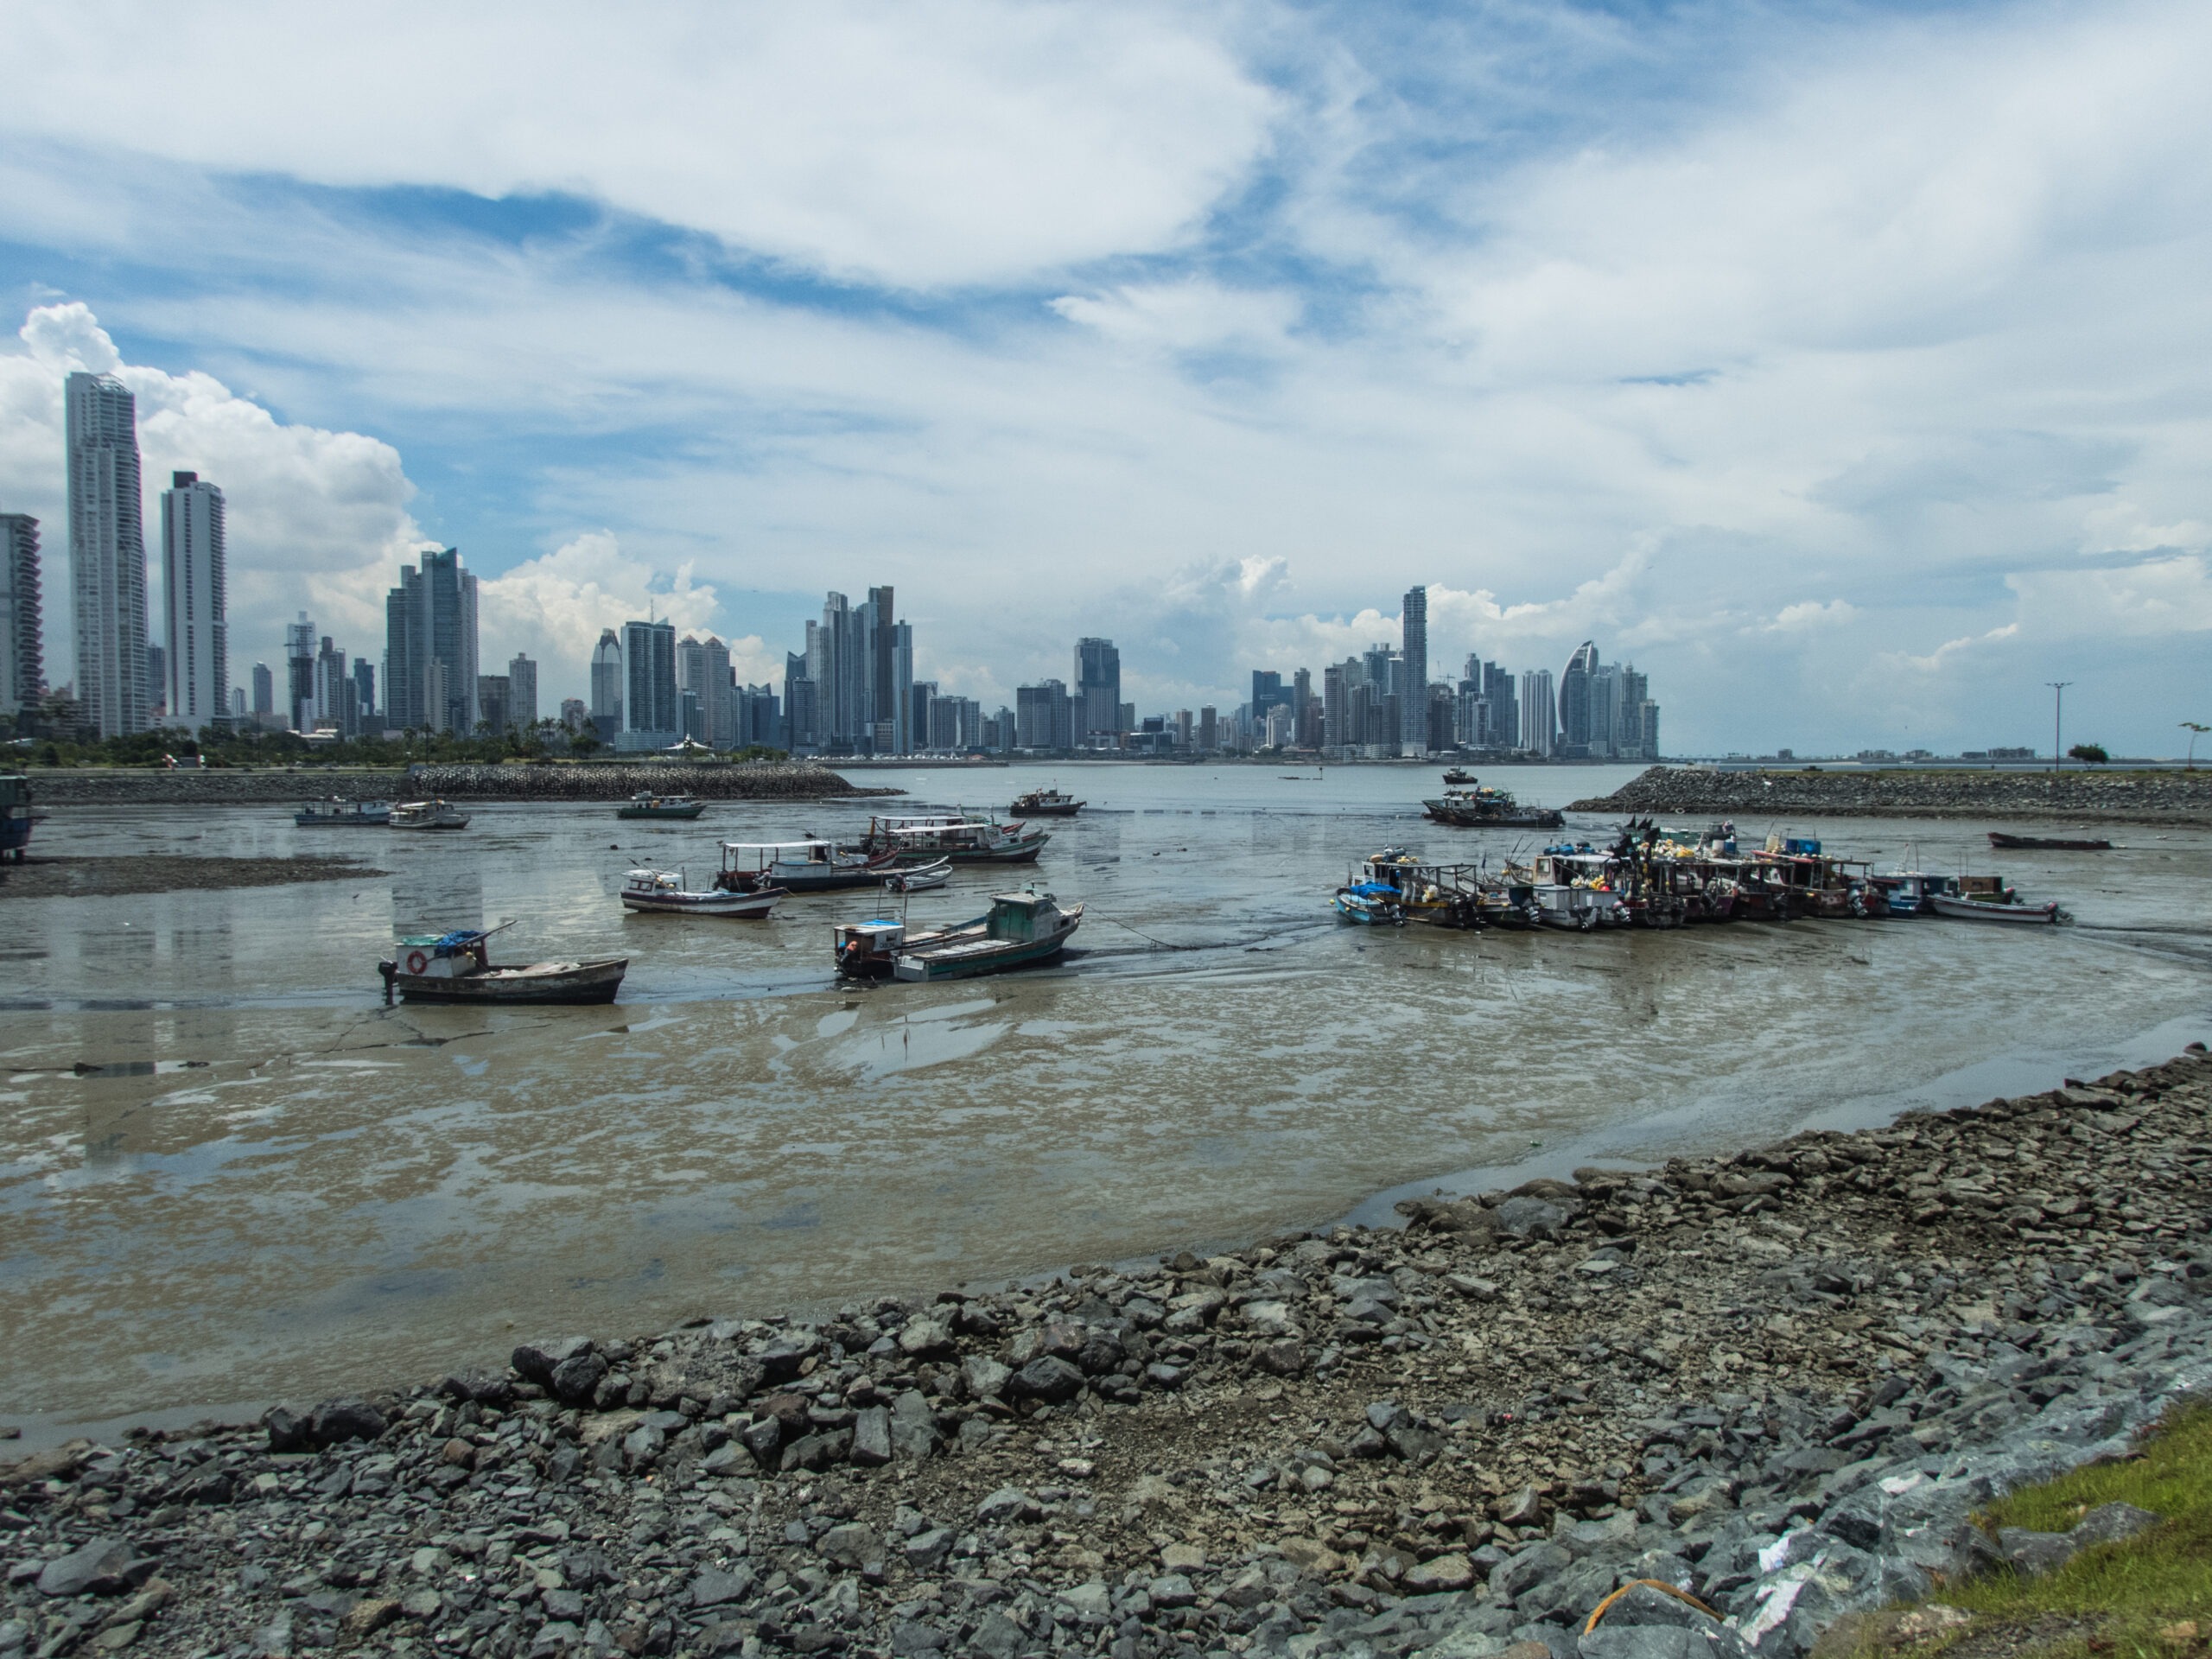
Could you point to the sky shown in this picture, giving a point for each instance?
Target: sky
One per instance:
(1843, 366)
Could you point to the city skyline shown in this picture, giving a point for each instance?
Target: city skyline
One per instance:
(1594, 323)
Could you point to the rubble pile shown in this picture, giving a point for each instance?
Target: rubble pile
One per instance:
(1711, 1407)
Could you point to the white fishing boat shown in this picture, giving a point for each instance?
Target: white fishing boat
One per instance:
(962, 837)
(1993, 909)
(920, 879)
(428, 815)
(810, 866)
(666, 892)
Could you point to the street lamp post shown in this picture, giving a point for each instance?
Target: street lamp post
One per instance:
(2058, 720)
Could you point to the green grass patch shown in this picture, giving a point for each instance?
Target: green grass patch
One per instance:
(2140, 1586)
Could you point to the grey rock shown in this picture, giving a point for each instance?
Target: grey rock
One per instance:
(1007, 1505)
(871, 1437)
(913, 1427)
(926, 1339)
(998, 1636)
(288, 1431)
(336, 1420)
(2035, 1553)
(1171, 1589)
(2108, 1523)
(1518, 1574)
(1049, 1378)
(105, 1567)
(714, 1586)
(762, 1436)
(985, 1377)
(909, 1636)
(575, 1377)
(849, 1545)
(1572, 1594)
(1529, 1218)
(925, 1551)
(534, 1361)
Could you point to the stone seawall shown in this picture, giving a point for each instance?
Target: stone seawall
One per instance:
(1779, 1383)
(88, 787)
(2076, 797)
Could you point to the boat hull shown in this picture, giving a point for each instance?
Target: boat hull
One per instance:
(682, 812)
(1023, 953)
(1057, 810)
(2044, 844)
(741, 905)
(1968, 910)
(1453, 817)
(564, 983)
(366, 821)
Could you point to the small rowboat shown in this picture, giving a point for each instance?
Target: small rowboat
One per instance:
(663, 892)
(1991, 910)
(1370, 903)
(2041, 844)
(457, 968)
(920, 879)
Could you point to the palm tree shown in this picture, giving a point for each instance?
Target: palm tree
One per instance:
(2195, 731)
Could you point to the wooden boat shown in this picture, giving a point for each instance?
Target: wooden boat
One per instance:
(646, 805)
(1372, 903)
(1490, 808)
(663, 893)
(961, 837)
(1436, 895)
(457, 968)
(920, 879)
(1458, 776)
(1993, 909)
(1908, 893)
(15, 816)
(336, 814)
(810, 866)
(427, 815)
(1019, 929)
(1046, 804)
(2044, 844)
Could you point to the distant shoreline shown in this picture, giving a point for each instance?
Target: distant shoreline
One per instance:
(127, 786)
(2174, 797)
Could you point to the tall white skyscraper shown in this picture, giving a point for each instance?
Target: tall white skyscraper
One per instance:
(199, 687)
(606, 685)
(107, 552)
(22, 661)
(521, 692)
(1539, 717)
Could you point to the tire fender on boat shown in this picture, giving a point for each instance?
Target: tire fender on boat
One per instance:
(417, 962)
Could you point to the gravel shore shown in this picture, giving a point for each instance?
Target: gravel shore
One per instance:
(1998, 797)
(137, 872)
(120, 786)
(1776, 1382)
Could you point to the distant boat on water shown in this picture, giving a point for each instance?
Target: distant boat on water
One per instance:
(457, 967)
(646, 805)
(2044, 844)
(428, 815)
(337, 814)
(1046, 804)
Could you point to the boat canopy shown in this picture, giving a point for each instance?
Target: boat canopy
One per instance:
(771, 846)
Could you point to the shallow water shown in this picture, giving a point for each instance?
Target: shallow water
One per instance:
(267, 1184)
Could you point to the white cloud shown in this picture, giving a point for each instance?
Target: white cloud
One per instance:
(2152, 600)
(1193, 315)
(937, 142)
(316, 520)
(1810, 613)
(553, 607)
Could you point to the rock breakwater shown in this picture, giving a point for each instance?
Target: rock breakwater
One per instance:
(1757, 1392)
(85, 786)
(1999, 796)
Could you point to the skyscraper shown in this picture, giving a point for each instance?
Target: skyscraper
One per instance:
(107, 553)
(908, 738)
(890, 700)
(264, 690)
(606, 685)
(198, 689)
(1413, 699)
(23, 651)
(430, 620)
(649, 696)
(365, 695)
(1539, 720)
(521, 692)
(1504, 706)
(334, 704)
(1574, 700)
(1098, 684)
(299, 674)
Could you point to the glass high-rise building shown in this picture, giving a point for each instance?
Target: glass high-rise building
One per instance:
(429, 663)
(606, 685)
(1575, 724)
(1413, 697)
(22, 650)
(1098, 685)
(649, 696)
(192, 577)
(107, 552)
(1539, 720)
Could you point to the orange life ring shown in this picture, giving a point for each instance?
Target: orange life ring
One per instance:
(417, 962)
